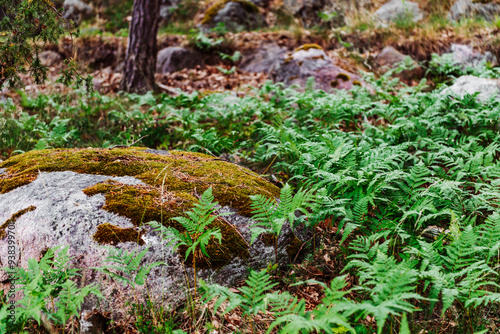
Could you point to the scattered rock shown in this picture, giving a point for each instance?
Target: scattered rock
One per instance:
(49, 58)
(396, 10)
(469, 84)
(237, 15)
(389, 58)
(77, 11)
(465, 56)
(470, 9)
(263, 59)
(176, 58)
(310, 60)
(86, 198)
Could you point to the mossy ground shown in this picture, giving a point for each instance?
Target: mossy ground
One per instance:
(173, 183)
(13, 219)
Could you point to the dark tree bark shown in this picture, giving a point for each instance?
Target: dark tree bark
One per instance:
(140, 61)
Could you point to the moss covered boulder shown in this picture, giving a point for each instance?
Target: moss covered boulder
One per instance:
(90, 198)
(237, 15)
(310, 60)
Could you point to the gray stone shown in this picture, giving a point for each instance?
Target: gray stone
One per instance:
(469, 84)
(176, 58)
(238, 16)
(470, 9)
(389, 58)
(398, 10)
(307, 10)
(77, 11)
(466, 57)
(167, 7)
(263, 59)
(298, 66)
(49, 58)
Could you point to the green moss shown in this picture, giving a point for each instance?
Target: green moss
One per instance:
(172, 183)
(308, 46)
(13, 219)
(217, 6)
(344, 77)
(111, 234)
(233, 245)
(293, 248)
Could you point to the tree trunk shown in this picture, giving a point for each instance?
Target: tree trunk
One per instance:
(140, 61)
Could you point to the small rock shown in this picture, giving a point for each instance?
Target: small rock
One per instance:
(465, 56)
(469, 84)
(237, 15)
(389, 58)
(470, 9)
(310, 60)
(49, 58)
(399, 10)
(307, 11)
(81, 207)
(167, 7)
(77, 11)
(176, 58)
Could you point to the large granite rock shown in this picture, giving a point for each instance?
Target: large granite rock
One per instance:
(237, 15)
(395, 10)
(176, 58)
(469, 84)
(310, 60)
(88, 198)
(470, 9)
(465, 57)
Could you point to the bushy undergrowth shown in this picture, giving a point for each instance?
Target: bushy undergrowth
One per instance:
(407, 176)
